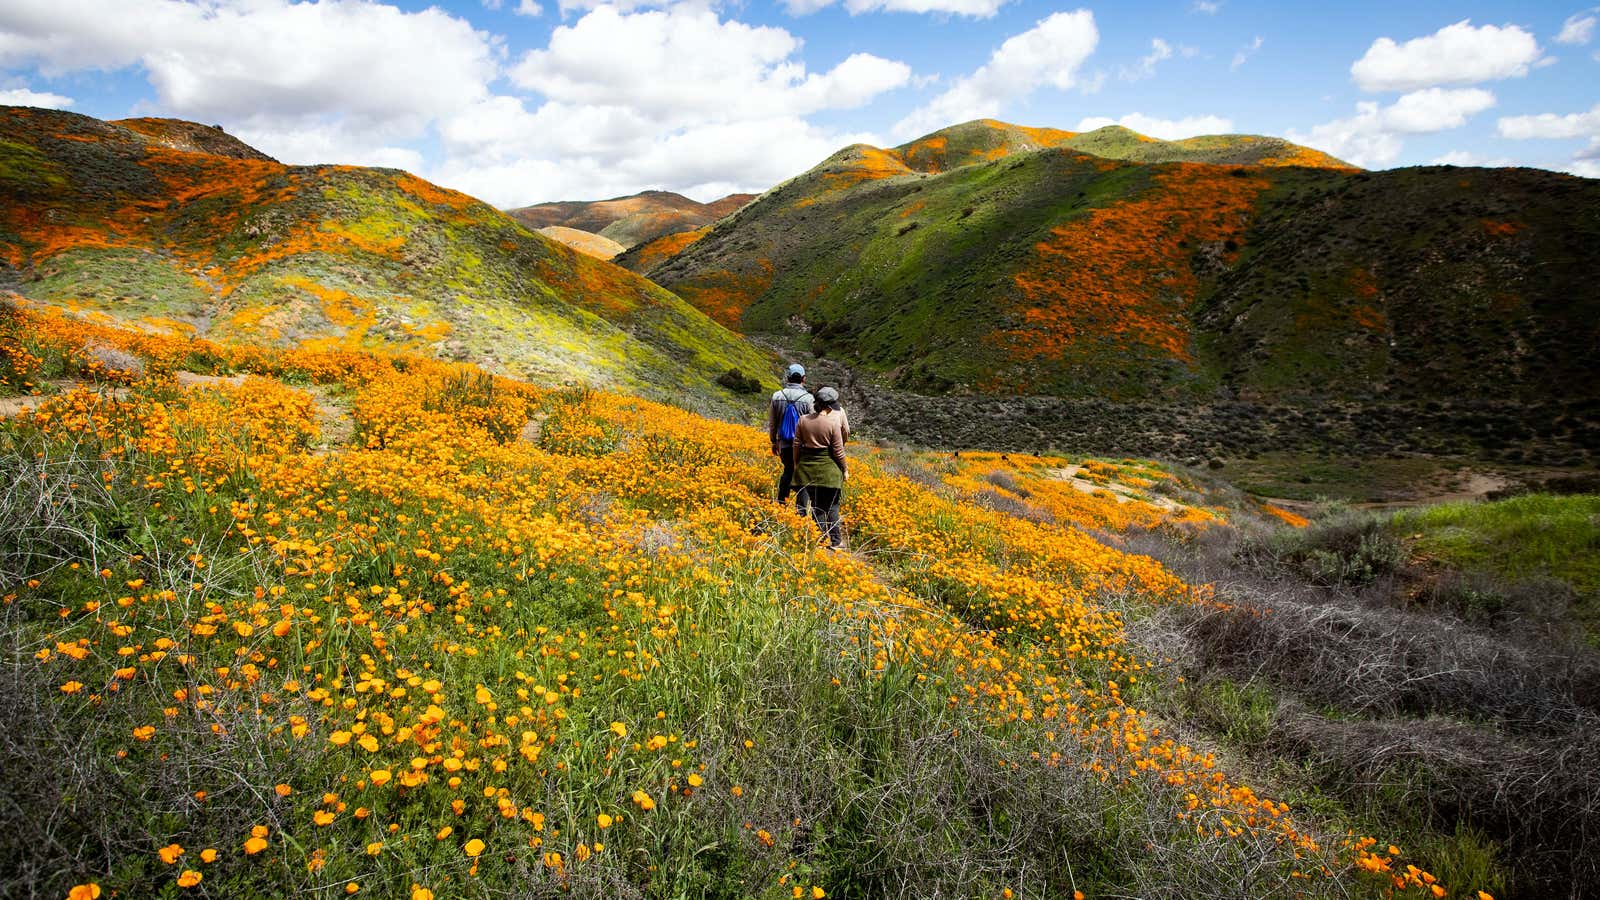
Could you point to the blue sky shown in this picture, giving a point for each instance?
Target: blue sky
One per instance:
(519, 101)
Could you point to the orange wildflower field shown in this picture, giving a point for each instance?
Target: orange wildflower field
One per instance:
(378, 624)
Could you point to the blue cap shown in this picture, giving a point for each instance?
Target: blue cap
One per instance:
(797, 369)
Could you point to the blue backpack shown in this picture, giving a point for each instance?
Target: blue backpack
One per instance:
(791, 416)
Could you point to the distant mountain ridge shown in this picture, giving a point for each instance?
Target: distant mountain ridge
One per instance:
(631, 220)
(985, 140)
(992, 258)
(182, 227)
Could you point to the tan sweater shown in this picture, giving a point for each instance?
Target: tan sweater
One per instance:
(823, 431)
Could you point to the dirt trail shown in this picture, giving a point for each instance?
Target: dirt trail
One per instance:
(1119, 492)
(11, 406)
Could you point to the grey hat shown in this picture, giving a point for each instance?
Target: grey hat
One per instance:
(797, 369)
(827, 395)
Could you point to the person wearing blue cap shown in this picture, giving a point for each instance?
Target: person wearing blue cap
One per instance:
(788, 404)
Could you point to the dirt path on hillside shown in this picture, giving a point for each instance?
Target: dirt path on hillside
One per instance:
(1119, 492)
(11, 406)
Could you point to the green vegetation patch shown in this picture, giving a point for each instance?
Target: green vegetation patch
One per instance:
(1520, 537)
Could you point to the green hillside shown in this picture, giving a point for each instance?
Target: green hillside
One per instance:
(127, 219)
(1056, 272)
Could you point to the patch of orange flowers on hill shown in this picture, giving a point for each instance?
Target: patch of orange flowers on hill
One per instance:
(724, 294)
(658, 251)
(1123, 273)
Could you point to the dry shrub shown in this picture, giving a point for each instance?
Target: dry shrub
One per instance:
(1539, 795)
(1382, 661)
(1424, 717)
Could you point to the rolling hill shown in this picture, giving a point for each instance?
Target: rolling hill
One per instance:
(583, 241)
(995, 259)
(631, 220)
(181, 227)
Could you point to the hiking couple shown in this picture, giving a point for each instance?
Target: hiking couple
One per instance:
(808, 435)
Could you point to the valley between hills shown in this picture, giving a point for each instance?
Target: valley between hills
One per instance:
(360, 538)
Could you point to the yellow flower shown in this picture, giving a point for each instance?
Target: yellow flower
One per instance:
(368, 743)
(351, 888)
(421, 893)
(444, 832)
(72, 687)
(208, 855)
(339, 738)
(322, 818)
(474, 847)
(818, 893)
(254, 845)
(283, 790)
(380, 776)
(644, 801)
(603, 820)
(695, 780)
(619, 729)
(90, 891)
(374, 848)
(189, 878)
(144, 732)
(170, 853)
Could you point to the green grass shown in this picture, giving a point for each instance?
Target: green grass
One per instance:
(1520, 537)
(1298, 476)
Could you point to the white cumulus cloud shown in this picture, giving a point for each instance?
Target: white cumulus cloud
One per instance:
(1165, 129)
(1550, 125)
(1455, 54)
(977, 9)
(336, 76)
(1375, 134)
(25, 97)
(633, 100)
(1047, 55)
(687, 62)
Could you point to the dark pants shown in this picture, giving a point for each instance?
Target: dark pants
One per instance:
(824, 503)
(786, 480)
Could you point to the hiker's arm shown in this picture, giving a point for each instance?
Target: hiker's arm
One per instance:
(836, 450)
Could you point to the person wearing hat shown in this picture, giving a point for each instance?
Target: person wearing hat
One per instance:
(820, 469)
(787, 407)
